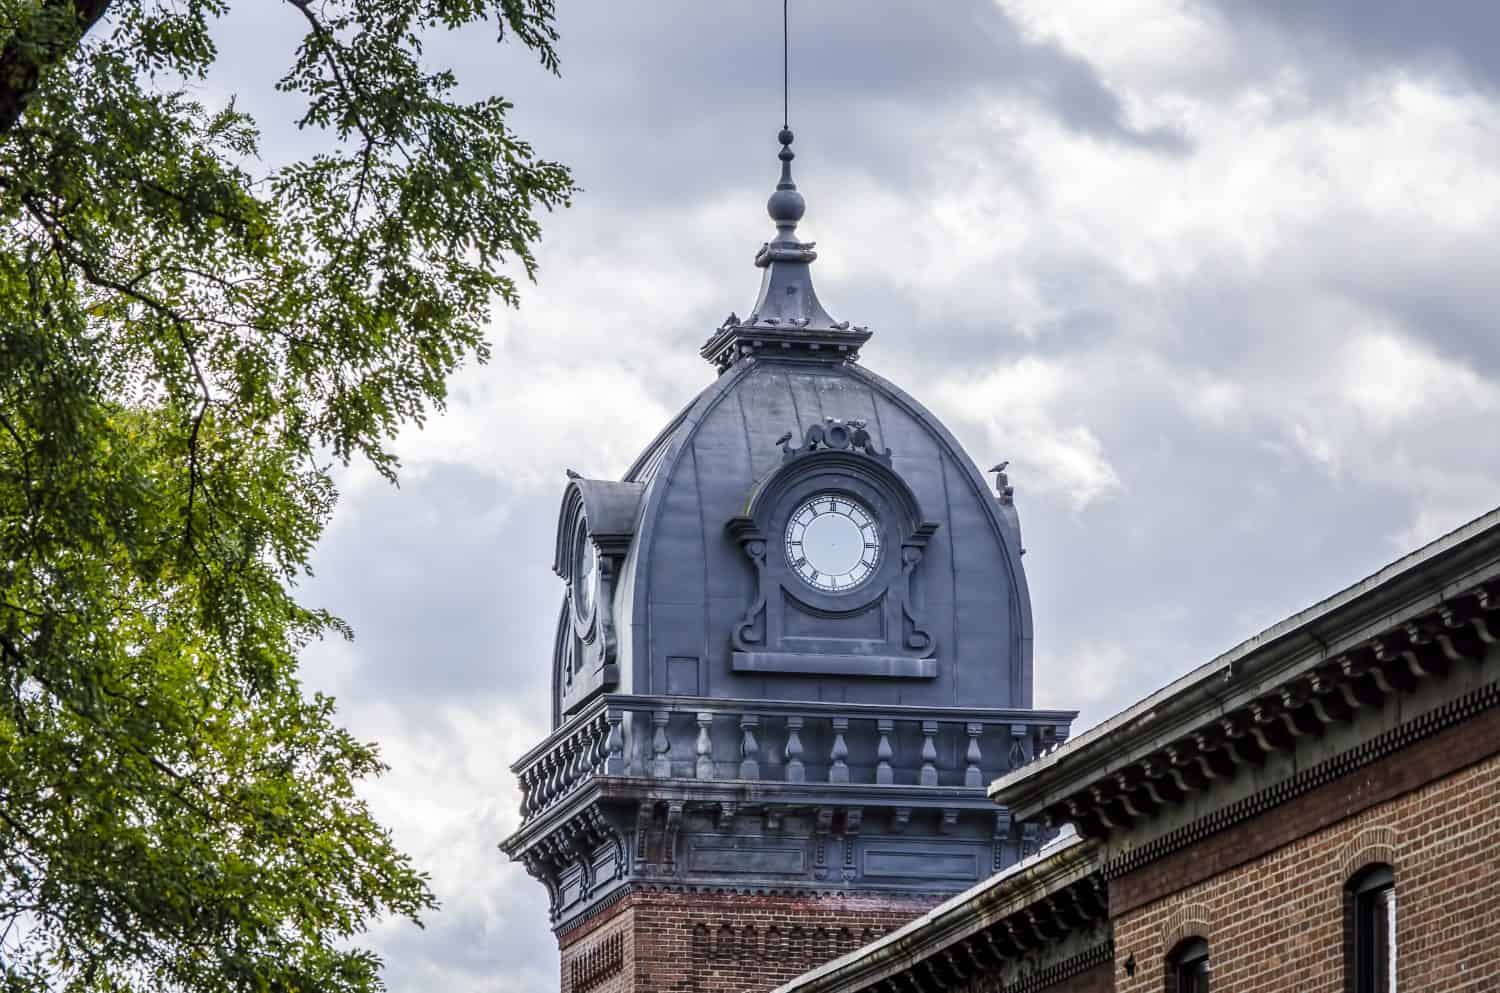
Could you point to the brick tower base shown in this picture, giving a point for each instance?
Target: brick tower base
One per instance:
(657, 941)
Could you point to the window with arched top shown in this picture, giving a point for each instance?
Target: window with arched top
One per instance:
(1371, 951)
(1187, 967)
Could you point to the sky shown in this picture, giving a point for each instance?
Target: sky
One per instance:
(1216, 276)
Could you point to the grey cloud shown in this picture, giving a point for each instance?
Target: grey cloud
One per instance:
(1429, 34)
(704, 81)
(447, 582)
(500, 942)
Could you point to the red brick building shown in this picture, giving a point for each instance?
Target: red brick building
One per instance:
(1316, 810)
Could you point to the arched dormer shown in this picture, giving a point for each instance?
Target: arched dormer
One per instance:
(595, 527)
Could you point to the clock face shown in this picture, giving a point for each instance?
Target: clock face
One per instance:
(832, 543)
(585, 562)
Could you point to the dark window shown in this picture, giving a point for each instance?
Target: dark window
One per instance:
(1374, 917)
(1187, 969)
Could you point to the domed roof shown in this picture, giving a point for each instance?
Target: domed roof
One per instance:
(703, 592)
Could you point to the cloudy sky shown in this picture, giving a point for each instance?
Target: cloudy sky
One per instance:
(1218, 277)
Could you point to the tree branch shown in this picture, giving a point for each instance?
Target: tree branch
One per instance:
(180, 325)
(25, 57)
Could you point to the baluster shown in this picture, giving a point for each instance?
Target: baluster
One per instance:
(972, 775)
(569, 764)
(661, 747)
(795, 773)
(578, 751)
(929, 754)
(595, 754)
(838, 770)
(600, 738)
(614, 745)
(583, 748)
(524, 782)
(883, 753)
(1018, 735)
(705, 767)
(749, 747)
(539, 781)
(549, 776)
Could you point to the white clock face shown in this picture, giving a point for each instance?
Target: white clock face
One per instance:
(832, 543)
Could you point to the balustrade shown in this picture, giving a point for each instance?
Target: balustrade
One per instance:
(790, 742)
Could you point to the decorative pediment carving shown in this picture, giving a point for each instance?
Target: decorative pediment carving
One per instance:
(834, 435)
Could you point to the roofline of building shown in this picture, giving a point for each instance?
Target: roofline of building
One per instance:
(1057, 865)
(1417, 582)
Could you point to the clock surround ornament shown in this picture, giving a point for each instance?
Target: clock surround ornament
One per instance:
(798, 622)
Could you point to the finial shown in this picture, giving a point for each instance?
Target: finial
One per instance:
(787, 319)
(786, 205)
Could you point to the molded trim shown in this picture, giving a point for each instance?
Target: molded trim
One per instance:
(892, 667)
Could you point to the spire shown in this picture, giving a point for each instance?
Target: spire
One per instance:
(787, 318)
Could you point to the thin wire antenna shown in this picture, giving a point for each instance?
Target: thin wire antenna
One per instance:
(786, 69)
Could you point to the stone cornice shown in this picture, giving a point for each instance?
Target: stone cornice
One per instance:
(1032, 904)
(746, 793)
(1414, 620)
(790, 343)
(1381, 746)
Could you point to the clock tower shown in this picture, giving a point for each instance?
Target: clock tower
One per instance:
(793, 648)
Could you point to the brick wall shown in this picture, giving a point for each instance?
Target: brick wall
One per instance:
(1277, 923)
(677, 942)
(589, 960)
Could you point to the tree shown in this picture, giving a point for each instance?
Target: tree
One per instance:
(190, 345)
